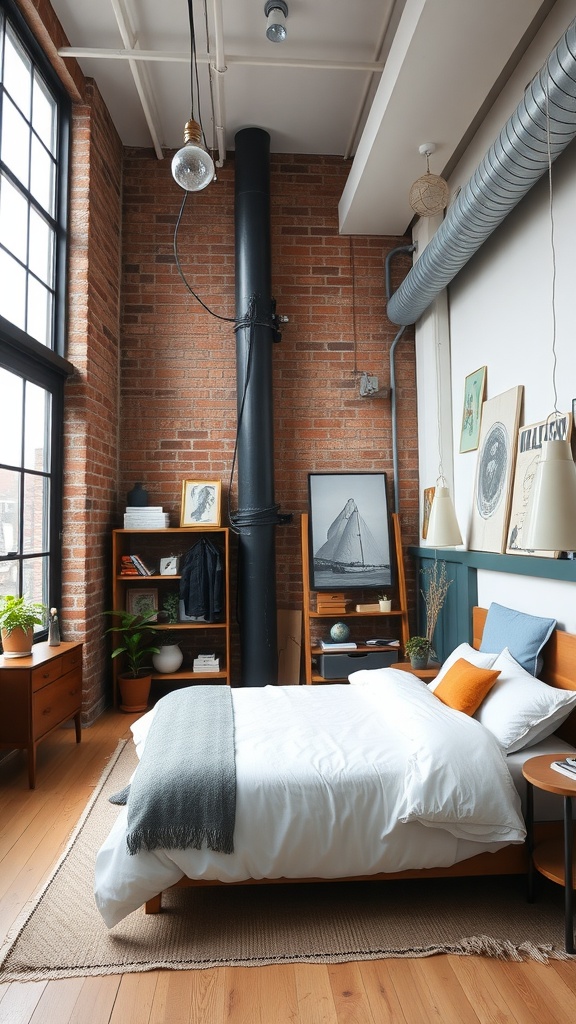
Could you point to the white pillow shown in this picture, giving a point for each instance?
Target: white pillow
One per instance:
(473, 657)
(520, 709)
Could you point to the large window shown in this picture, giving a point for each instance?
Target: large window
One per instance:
(34, 119)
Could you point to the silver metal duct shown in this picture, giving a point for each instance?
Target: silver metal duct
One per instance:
(512, 165)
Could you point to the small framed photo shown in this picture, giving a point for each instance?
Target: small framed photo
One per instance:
(200, 503)
(142, 602)
(169, 566)
(474, 395)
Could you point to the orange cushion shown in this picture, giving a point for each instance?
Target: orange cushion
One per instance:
(464, 686)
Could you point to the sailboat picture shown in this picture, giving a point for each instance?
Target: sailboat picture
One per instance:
(350, 540)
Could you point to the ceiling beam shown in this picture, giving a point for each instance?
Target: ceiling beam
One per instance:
(139, 75)
(172, 56)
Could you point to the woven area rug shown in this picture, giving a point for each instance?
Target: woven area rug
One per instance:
(62, 934)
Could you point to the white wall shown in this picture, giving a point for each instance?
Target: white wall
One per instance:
(500, 315)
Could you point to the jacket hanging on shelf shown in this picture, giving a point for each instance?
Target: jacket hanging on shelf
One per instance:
(202, 581)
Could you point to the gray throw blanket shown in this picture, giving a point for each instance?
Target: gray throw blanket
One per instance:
(184, 789)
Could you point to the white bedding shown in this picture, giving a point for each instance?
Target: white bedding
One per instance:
(337, 781)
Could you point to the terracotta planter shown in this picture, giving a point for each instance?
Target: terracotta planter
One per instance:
(134, 692)
(17, 643)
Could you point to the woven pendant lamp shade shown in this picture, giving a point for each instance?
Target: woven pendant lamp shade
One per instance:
(429, 195)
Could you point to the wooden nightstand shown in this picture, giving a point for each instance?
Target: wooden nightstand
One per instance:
(548, 857)
(427, 674)
(37, 694)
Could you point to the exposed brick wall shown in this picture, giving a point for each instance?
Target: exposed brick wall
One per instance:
(91, 417)
(178, 367)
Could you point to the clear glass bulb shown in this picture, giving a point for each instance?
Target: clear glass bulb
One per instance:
(276, 26)
(192, 167)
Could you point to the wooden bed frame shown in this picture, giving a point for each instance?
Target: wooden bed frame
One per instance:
(559, 670)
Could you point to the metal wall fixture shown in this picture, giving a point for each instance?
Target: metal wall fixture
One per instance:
(513, 164)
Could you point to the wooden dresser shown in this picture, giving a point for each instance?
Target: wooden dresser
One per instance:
(37, 694)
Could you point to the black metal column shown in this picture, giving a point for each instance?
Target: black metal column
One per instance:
(254, 344)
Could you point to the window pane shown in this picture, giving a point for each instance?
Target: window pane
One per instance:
(17, 72)
(15, 141)
(44, 114)
(34, 519)
(35, 581)
(10, 514)
(42, 176)
(13, 219)
(36, 445)
(39, 311)
(41, 247)
(11, 394)
(13, 290)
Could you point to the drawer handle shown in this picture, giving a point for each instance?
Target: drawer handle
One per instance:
(47, 711)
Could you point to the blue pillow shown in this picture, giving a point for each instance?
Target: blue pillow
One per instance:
(524, 635)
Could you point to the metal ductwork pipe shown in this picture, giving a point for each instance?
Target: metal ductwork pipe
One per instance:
(513, 164)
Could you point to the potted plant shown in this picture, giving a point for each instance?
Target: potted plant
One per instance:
(18, 616)
(385, 603)
(169, 657)
(419, 649)
(138, 643)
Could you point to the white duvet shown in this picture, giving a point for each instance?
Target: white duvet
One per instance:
(336, 781)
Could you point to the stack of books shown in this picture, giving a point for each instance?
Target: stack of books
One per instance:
(206, 663)
(146, 517)
(331, 645)
(566, 767)
(133, 565)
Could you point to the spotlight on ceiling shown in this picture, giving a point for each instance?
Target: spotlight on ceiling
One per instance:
(276, 12)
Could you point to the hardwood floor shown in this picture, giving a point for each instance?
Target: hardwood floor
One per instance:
(451, 989)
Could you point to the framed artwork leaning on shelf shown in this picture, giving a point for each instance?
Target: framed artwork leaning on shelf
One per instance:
(142, 601)
(200, 503)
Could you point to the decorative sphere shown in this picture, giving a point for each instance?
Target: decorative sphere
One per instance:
(429, 195)
(340, 632)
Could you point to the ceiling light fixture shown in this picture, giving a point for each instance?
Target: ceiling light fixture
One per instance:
(551, 515)
(276, 12)
(192, 166)
(429, 194)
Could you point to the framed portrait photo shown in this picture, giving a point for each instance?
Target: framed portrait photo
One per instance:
(349, 531)
(142, 602)
(200, 503)
(474, 394)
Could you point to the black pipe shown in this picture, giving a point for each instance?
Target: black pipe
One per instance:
(257, 514)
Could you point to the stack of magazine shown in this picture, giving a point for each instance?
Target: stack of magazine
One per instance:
(566, 767)
(146, 517)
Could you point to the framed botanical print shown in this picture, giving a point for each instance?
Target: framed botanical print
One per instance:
(200, 503)
(474, 394)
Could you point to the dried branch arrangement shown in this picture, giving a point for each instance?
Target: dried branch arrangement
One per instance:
(434, 594)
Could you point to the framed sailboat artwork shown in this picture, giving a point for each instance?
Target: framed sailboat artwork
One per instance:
(349, 531)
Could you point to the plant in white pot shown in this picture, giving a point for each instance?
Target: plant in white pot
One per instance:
(385, 603)
(18, 616)
(138, 643)
(169, 657)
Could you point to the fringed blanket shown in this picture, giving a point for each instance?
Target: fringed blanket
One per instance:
(183, 793)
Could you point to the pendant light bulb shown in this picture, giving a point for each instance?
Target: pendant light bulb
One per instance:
(276, 12)
(443, 529)
(192, 166)
(551, 517)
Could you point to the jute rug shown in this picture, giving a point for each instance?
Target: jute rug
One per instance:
(62, 934)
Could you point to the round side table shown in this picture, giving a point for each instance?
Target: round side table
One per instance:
(551, 858)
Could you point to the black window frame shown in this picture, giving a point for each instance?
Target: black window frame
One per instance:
(43, 364)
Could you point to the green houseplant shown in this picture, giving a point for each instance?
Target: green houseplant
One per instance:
(138, 642)
(419, 650)
(18, 616)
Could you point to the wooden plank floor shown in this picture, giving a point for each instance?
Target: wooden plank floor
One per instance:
(449, 989)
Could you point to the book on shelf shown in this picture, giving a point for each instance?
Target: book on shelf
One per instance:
(330, 645)
(146, 519)
(567, 768)
(142, 567)
(138, 509)
(368, 607)
(127, 567)
(206, 663)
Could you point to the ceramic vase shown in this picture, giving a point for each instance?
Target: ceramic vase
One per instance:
(168, 659)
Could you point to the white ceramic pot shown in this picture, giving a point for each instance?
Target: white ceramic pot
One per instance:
(168, 659)
(385, 606)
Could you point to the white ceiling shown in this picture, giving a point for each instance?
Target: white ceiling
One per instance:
(365, 79)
